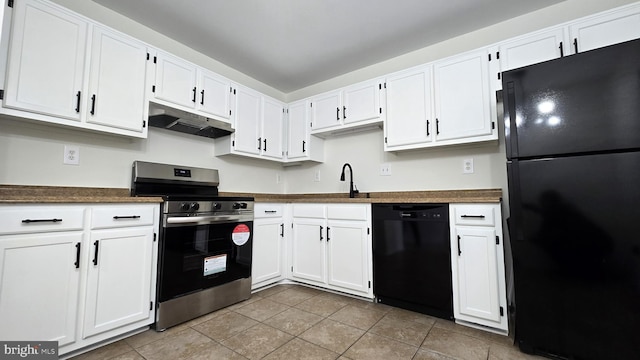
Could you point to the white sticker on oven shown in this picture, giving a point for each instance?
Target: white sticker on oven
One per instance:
(240, 234)
(215, 264)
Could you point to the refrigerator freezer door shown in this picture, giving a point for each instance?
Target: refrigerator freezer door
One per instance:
(576, 250)
(583, 103)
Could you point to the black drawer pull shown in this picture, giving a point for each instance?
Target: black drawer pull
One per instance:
(270, 211)
(28, 221)
(126, 217)
(95, 254)
(77, 263)
(472, 216)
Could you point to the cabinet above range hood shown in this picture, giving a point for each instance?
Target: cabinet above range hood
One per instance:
(169, 118)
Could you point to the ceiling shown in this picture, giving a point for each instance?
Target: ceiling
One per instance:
(291, 44)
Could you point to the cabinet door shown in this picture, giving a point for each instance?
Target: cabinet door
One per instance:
(326, 110)
(348, 256)
(214, 95)
(462, 97)
(175, 80)
(247, 121)
(119, 274)
(46, 61)
(116, 95)
(39, 281)
(361, 102)
(298, 130)
(477, 275)
(611, 28)
(272, 128)
(409, 108)
(308, 250)
(268, 236)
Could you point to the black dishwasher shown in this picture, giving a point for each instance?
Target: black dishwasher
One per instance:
(412, 257)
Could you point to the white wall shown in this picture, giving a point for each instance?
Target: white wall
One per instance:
(31, 154)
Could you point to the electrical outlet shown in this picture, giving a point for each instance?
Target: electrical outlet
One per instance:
(467, 166)
(385, 170)
(316, 176)
(71, 155)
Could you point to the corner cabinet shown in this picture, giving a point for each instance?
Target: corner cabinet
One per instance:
(331, 247)
(269, 245)
(91, 272)
(48, 58)
(259, 127)
(477, 259)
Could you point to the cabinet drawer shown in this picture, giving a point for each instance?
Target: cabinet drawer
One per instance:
(41, 218)
(309, 211)
(347, 212)
(268, 210)
(481, 215)
(122, 216)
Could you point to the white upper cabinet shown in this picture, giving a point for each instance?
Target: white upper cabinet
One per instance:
(462, 100)
(409, 108)
(272, 128)
(175, 80)
(605, 29)
(300, 145)
(353, 107)
(530, 49)
(214, 95)
(116, 60)
(46, 60)
(248, 105)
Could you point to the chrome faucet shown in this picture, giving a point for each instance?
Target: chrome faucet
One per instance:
(352, 192)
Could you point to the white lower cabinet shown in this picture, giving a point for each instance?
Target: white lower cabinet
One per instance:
(331, 247)
(477, 259)
(76, 274)
(269, 245)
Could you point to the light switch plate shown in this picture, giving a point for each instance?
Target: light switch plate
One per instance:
(385, 170)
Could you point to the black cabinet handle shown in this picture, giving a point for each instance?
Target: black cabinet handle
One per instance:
(321, 238)
(194, 94)
(303, 144)
(427, 127)
(437, 126)
(259, 143)
(77, 263)
(344, 112)
(472, 216)
(282, 230)
(78, 95)
(575, 44)
(93, 104)
(265, 144)
(202, 97)
(28, 221)
(270, 211)
(95, 254)
(126, 217)
(328, 237)
(338, 114)
(459, 251)
(561, 50)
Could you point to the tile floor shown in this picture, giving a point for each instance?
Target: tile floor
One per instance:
(296, 322)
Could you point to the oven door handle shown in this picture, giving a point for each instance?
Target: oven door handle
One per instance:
(203, 220)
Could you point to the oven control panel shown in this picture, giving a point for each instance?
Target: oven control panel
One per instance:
(190, 207)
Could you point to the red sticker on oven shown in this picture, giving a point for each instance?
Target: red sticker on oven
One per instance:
(240, 234)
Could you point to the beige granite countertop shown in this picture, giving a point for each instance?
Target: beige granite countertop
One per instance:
(58, 194)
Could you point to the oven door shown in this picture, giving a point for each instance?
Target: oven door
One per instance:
(194, 257)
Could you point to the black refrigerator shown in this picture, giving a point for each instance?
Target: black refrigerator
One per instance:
(572, 130)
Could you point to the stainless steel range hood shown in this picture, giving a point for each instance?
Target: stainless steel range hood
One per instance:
(166, 117)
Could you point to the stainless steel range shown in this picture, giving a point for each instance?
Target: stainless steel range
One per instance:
(205, 244)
